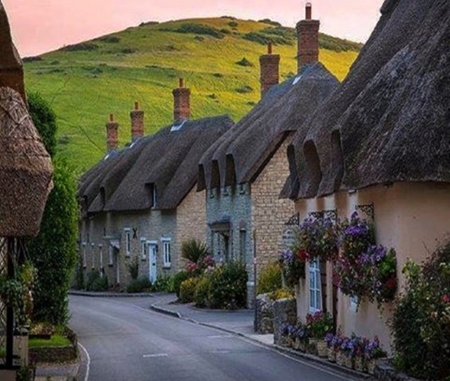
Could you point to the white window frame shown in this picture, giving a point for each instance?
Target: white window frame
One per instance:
(111, 254)
(100, 254)
(315, 286)
(84, 255)
(167, 252)
(144, 249)
(93, 255)
(127, 232)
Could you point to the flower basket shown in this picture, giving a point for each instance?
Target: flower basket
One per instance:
(322, 348)
(360, 364)
(340, 358)
(331, 355)
(349, 362)
(371, 364)
(312, 346)
(296, 344)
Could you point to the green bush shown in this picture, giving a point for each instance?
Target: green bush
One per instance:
(201, 294)
(140, 284)
(228, 289)
(133, 267)
(187, 290)
(179, 278)
(95, 282)
(281, 293)
(163, 284)
(193, 250)
(244, 62)
(244, 89)
(83, 46)
(269, 279)
(196, 29)
(421, 319)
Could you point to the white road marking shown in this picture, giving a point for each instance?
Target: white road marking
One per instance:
(88, 365)
(220, 337)
(156, 355)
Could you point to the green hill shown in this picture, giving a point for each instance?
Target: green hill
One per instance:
(218, 57)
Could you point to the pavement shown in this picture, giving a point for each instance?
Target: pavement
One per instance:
(239, 322)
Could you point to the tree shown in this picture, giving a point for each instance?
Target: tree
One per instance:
(53, 251)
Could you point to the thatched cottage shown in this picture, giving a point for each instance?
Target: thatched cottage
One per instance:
(244, 171)
(141, 201)
(389, 129)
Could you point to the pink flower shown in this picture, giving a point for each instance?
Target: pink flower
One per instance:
(446, 298)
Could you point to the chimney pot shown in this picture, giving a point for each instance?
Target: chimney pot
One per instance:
(181, 83)
(308, 11)
(136, 105)
(111, 117)
(269, 48)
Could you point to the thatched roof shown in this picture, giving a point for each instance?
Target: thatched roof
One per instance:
(240, 155)
(166, 161)
(11, 70)
(25, 169)
(389, 120)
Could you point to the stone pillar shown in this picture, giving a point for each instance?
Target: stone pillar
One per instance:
(137, 123)
(112, 136)
(181, 103)
(308, 40)
(270, 73)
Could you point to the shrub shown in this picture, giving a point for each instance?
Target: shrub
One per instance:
(84, 46)
(179, 278)
(228, 289)
(193, 250)
(281, 293)
(269, 279)
(197, 29)
(163, 283)
(244, 62)
(187, 290)
(133, 267)
(31, 59)
(110, 39)
(244, 89)
(201, 294)
(270, 22)
(140, 284)
(233, 24)
(421, 319)
(95, 282)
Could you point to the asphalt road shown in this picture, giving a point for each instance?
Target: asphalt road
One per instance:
(128, 342)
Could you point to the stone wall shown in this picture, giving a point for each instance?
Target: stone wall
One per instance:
(264, 314)
(284, 310)
(269, 213)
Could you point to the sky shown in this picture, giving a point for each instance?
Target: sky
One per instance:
(39, 26)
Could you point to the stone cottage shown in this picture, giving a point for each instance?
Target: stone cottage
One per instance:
(380, 146)
(244, 171)
(141, 202)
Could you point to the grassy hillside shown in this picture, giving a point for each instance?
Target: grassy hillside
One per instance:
(87, 81)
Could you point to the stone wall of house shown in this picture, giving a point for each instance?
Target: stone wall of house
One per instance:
(191, 223)
(284, 311)
(269, 213)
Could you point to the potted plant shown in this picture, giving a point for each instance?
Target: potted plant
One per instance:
(373, 352)
(293, 263)
(320, 324)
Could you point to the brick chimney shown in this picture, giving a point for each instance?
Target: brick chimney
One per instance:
(112, 138)
(181, 102)
(137, 123)
(308, 39)
(270, 74)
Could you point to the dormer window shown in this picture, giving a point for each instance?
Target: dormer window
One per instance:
(178, 126)
(154, 197)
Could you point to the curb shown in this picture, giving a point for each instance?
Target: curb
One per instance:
(111, 294)
(166, 311)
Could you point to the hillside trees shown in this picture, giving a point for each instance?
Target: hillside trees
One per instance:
(53, 251)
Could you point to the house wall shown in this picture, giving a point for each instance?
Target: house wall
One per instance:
(412, 218)
(269, 212)
(191, 222)
(188, 221)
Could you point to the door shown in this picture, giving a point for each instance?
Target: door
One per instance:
(153, 256)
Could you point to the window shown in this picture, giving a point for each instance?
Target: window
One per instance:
(154, 197)
(166, 251)
(127, 242)
(84, 254)
(110, 255)
(243, 244)
(315, 292)
(93, 255)
(143, 248)
(100, 254)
